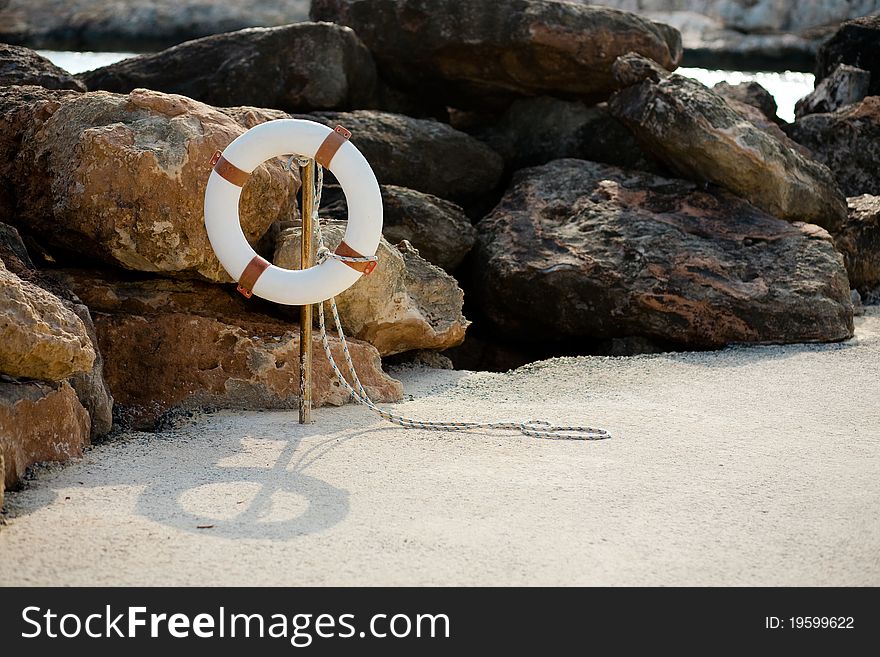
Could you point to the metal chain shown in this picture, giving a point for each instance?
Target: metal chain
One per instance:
(534, 428)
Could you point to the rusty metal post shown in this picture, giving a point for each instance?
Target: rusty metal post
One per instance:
(307, 259)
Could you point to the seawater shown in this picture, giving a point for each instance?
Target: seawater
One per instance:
(787, 88)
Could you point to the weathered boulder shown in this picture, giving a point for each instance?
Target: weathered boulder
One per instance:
(110, 291)
(19, 65)
(23, 110)
(750, 93)
(845, 86)
(758, 119)
(421, 154)
(859, 241)
(438, 229)
(39, 422)
(202, 345)
(857, 43)
(122, 178)
(537, 130)
(300, 67)
(13, 252)
(135, 24)
(39, 337)
(579, 250)
(405, 304)
(848, 142)
(2, 480)
(698, 135)
(176, 361)
(248, 117)
(483, 52)
(89, 385)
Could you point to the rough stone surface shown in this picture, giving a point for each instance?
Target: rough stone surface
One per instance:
(582, 250)
(699, 136)
(537, 130)
(40, 338)
(13, 252)
(856, 43)
(19, 65)
(248, 117)
(90, 386)
(848, 142)
(757, 118)
(471, 52)
(300, 67)
(191, 361)
(203, 345)
(405, 304)
(113, 292)
(122, 178)
(750, 93)
(23, 109)
(2, 480)
(845, 86)
(859, 241)
(135, 24)
(438, 229)
(421, 154)
(39, 422)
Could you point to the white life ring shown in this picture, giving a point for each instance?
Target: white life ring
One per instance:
(331, 149)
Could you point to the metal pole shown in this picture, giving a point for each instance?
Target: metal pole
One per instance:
(307, 259)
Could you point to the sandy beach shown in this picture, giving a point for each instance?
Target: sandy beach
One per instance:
(747, 466)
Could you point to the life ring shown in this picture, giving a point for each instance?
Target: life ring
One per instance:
(332, 150)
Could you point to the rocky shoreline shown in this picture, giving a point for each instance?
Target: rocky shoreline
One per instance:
(551, 187)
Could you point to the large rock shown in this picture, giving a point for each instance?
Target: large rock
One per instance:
(750, 93)
(20, 65)
(534, 131)
(698, 135)
(421, 154)
(299, 67)
(859, 241)
(39, 422)
(847, 85)
(438, 229)
(473, 53)
(578, 250)
(405, 304)
(199, 345)
(135, 24)
(89, 385)
(23, 110)
(122, 178)
(848, 142)
(39, 337)
(109, 291)
(177, 361)
(758, 119)
(856, 43)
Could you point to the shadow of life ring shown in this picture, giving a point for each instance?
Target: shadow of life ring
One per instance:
(332, 150)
